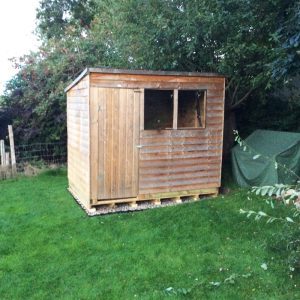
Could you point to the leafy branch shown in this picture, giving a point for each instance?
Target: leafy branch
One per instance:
(270, 219)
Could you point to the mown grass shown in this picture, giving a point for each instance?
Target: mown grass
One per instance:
(49, 248)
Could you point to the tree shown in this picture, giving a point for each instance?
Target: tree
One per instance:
(287, 62)
(232, 37)
(35, 97)
(253, 43)
(54, 17)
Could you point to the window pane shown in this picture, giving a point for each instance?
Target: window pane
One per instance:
(158, 109)
(191, 109)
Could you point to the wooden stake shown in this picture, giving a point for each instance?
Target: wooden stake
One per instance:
(2, 152)
(7, 159)
(12, 150)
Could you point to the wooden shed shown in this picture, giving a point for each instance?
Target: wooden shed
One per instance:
(136, 136)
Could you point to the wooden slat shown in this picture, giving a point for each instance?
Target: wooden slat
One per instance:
(182, 141)
(123, 135)
(215, 97)
(158, 190)
(183, 174)
(136, 142)
(169, 185)
(163, 195)
(145, 134)
(102, 143)
(213, 137)
(142, 107)
(153, 85)
(152, 157)
(189, 168)
(76, 99)
(115, 189)
(156, 78)
(95, 107)
(108, 161)
(178, 148)
(129, 144)
(175, 108)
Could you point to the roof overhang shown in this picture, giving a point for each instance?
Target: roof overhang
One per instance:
(139, 72)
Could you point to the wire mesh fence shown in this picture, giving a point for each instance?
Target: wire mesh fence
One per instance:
(31, 159)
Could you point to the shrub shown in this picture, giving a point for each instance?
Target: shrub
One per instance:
(279, 195)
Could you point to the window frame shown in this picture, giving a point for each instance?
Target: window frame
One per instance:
(175, 109)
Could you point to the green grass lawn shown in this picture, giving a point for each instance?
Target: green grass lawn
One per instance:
(49, 248)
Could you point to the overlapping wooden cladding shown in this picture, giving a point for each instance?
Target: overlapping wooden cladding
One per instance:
(78, 126)
(180, 160)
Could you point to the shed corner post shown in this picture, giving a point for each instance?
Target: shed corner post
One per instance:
(93, 95)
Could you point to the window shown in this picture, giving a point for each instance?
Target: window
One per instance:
(174, 109)
(158, 109)
(191, 109)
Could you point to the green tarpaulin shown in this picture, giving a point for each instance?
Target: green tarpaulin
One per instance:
(261, 162)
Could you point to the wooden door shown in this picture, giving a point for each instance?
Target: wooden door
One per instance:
(118, 152)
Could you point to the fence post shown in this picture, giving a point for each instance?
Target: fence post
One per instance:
(12, 150)
(2, 152)
(7, 159)
(7, 169)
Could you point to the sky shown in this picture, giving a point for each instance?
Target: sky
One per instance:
(17, 23)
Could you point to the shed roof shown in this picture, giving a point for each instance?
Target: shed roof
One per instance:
(139, 72)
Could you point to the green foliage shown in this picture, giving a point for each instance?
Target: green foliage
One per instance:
(50, 249)
(56, 17)
(35, 97)
(231, 37)
(276, 196)
(288, 34)
(278, 111)
(288, 244)
(249, 41)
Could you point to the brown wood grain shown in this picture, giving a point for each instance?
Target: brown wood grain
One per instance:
(156, 78)
(78, 126)
(118, 135)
